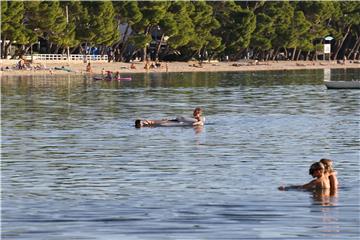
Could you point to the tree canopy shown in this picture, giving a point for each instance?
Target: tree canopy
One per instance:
(181, 30)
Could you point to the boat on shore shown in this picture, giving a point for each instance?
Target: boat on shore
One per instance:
(342, 84)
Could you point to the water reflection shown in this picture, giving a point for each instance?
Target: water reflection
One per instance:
(325, 197)
(326, 203)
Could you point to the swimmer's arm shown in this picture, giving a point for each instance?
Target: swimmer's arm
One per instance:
(333, 181)
(307, 186)
(310, 185)
(198, 123)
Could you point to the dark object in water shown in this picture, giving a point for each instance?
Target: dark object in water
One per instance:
(114, 79)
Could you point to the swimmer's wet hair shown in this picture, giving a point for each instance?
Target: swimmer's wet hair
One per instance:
(138, 123)
(197, 110)
(316, 166)
(327, 164)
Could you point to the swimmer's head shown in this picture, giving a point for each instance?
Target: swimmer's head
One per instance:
(138, 123)
(318, 166)
(197, 111)
(327, 164)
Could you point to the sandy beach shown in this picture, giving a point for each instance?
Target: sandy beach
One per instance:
(78, 67)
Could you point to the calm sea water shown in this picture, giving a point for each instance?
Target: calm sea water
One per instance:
(74, 167)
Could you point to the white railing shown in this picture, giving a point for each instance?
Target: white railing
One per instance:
(73, 57)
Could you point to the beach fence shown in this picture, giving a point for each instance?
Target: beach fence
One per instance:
(63, 57)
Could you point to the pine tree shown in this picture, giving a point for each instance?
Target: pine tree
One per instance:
(281, 14)
(262, 36)
(297, 33)
(204, 23)
(153, 13)
(319, 15)
(345, 25)
(177, 25)
(128, 14)
(13, 29)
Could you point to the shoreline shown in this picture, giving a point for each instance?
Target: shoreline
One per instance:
(79, 68)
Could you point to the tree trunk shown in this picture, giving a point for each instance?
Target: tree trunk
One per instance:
(124, 43)
(342, 42)
(81, 49)
(49, 47)
(21, 51)
(26, 49)
(293, 54)
(57, 47)
(3, 47)
(298, 55)
(356, 53)
(124, 37)
(270, 54)
(74, 50)
(159, 46)
(6, 50)
(354, 49)
(267, 55)
(275, 54)
(144, 53)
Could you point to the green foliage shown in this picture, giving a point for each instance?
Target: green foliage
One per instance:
(104, 24)
(298, 30)
(81, 17)
(12, 23)
(189, 27)
(204, 23)
(319, 14)
(139, 40)
(264, 31)
(152, 13)
(244, 23)
(281, 14)
(178, 25)
(128, 11)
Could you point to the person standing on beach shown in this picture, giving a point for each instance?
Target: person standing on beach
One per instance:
(147, 65)
(88, 68)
